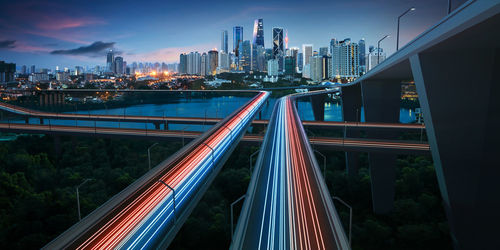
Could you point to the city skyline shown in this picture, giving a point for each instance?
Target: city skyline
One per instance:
(67, 37)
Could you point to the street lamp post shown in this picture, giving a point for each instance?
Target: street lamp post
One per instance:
(149, 154)
(378, 48)
(350, 215)
(324, 162)
(232, 205)
(250, 160)
(173, 196)
(404, 13)
(78, 197)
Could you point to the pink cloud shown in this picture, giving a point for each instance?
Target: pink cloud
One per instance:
(166, 54)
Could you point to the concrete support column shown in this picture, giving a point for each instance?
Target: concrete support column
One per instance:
(40, 96)
(381, 102)
(318, 106)
(351, 112)
(462, 120)
(46, 97)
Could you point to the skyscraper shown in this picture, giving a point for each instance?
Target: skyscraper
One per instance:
(323, 51)
(204, 65)
(345, 59)
(245, 56)
(223, 41)
(118, 65)
(110, 61)
(183, 64)
(277, 42)
(307, 50)
(316, 69)
(257, 43)
(213, 62)
(278, 51)
(300, 61)
(7, 71)
(258, 32)
(237, 39)
(362, 56)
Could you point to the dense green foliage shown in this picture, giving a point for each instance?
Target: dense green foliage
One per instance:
(38, 200)
(37, 188)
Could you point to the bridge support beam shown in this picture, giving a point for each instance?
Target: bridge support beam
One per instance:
(318, 106)
(464, 136)
(351, 111)
(381, 102)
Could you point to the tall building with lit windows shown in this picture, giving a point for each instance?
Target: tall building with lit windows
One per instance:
(213, 62)
(345, 59)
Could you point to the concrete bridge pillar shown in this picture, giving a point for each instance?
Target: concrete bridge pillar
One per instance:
(40, 99)
(462, 120)
(381, 102)
(318, 106)
(46, 99)
(351, 112)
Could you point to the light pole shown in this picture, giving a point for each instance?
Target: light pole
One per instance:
(378, 48)
(324, 162)
(78, 197)
(350, 215)
(232, 205)
(173, 195)
(149, 154)
(404, 13)
(250, 160)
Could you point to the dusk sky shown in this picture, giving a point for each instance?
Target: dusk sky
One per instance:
(70, 33)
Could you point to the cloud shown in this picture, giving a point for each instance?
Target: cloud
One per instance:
(90, 50)
(7, 44)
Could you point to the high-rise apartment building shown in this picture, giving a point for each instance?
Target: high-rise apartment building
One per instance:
(375, 57)
(307, 50)
(316, 68)
(323, 51)
(345, 59)
(272, 67)
(119, 65)
(183, 64)
(213, 62)
(245, 56)
(204, 69)
(7, 71)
